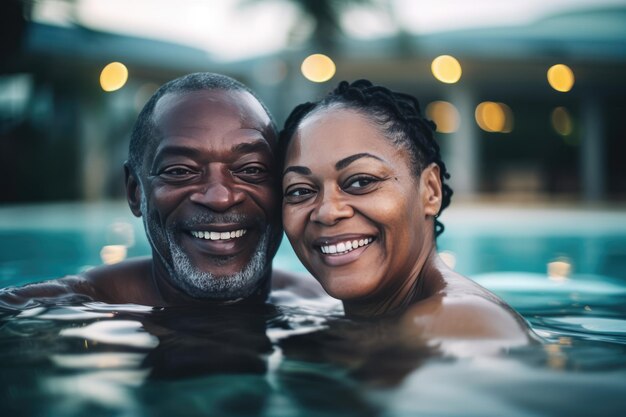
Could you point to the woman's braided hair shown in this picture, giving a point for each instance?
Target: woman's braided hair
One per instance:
(399, 116)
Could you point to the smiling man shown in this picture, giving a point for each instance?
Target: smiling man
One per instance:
(201, 174)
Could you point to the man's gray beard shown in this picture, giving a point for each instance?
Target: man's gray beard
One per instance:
(200, 284)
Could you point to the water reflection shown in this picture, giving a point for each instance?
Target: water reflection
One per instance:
(128, 333)
(380, 352)
(306, 360)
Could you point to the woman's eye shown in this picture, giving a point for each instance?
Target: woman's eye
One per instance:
(294, 195)
(360, 183)
(299, 192)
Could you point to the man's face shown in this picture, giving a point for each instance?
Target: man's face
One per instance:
(210, 201)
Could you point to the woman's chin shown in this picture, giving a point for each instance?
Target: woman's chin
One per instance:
(347, 288)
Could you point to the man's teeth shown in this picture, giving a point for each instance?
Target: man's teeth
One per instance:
(345, 247)
(218, 235)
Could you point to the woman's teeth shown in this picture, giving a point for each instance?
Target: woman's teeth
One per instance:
(345, 247)
(218, 235)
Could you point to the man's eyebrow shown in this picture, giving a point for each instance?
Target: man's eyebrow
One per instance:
(350, 159)
(175, 150)
(298, 170)
(260, 145)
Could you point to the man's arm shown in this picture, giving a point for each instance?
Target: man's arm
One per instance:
(69, 289)
(125, 282)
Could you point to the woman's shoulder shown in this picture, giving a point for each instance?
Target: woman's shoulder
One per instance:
(465, 310)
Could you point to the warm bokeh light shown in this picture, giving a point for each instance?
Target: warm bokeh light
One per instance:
(113, 76)
(556, 358)
(561, 78)
(562, 121)
(446, 69)
(112, 254)
(494, 117)
(445, 116)
(559, 270)
(565, 341)
(318, 68)
(448, 258)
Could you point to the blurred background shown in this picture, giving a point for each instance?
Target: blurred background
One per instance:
(528, 97)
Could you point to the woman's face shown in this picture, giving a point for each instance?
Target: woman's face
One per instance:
(354, 212)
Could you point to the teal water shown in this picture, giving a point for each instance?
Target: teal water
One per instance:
(563, 272)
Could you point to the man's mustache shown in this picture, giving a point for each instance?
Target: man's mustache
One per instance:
(219, 218)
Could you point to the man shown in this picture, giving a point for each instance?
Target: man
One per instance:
(201, 174)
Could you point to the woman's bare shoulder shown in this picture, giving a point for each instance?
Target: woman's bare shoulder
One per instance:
(465, 310)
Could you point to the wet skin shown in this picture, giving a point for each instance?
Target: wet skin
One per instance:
(344, 181)
(362, 192)
(211, 172)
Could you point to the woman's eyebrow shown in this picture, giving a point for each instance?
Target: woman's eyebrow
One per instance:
(350, 159)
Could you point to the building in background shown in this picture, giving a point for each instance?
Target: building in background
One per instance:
(506, 129)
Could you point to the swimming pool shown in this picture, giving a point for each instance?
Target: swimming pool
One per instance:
(563, 269)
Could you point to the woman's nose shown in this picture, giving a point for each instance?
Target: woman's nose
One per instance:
(218, 194)
(331, 209)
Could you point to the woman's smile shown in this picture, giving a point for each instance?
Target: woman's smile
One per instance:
(342, 250)
(346, 212)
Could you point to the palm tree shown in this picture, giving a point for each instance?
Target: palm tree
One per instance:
(325, 16)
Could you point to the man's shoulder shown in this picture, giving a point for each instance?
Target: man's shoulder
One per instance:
(109, 283)
(124, 282)
(69, 289)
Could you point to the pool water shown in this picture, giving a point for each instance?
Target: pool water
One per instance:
(563, 270)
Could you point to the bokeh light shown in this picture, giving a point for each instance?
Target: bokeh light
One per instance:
(559, 269)
(318, 68)
(494, 117)
(562, 121)
(112, 254)
(113, 76)
(446, 69)
(445, 116)
(448, 258)
(561, 77)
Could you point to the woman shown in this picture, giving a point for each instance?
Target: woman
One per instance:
(363, 185)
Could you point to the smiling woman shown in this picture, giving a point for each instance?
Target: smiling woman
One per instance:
(363, 185)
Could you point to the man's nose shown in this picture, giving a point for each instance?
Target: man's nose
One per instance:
(218, 193)
(331, 208)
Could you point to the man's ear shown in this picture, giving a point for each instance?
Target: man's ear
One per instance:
(133, 191)
(430, 189)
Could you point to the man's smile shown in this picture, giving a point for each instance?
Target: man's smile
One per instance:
(219, 239)
(234, 234)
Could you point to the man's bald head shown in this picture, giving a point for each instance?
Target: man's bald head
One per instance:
(145, 132)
